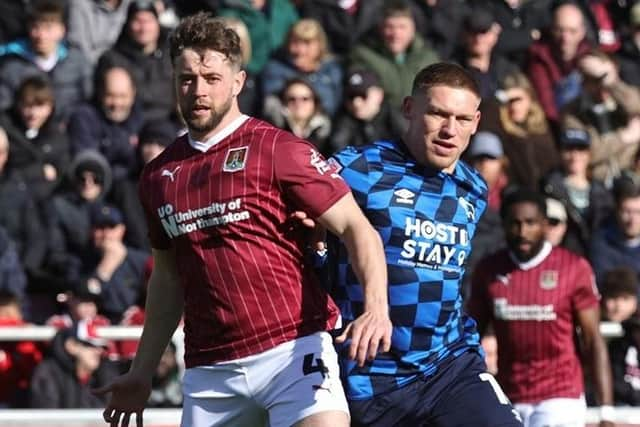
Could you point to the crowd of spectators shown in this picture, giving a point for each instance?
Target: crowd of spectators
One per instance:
(86, 99)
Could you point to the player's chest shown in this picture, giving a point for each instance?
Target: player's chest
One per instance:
(538, 286)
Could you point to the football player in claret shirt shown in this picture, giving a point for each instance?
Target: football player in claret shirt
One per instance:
(425, 204)
(536, 295)
(255, 316)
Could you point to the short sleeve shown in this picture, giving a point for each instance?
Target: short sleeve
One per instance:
(307, 178)
(157, 236)
(586, 293)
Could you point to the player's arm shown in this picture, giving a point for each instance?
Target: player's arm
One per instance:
(597, 354)
(372, 330)
(163, 310)
(479, 305)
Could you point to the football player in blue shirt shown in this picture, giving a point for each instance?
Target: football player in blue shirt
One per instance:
(425, 204)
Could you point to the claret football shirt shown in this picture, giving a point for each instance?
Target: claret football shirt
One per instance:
(224, 205)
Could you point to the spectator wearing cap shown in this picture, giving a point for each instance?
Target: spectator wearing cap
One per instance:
(396, 52)
(111, 122)
(485, 153)
(587, 201)
(111, 270)
(268, 23)
(298, 110)
(38, 139)
(521, 23)
(552, 60)
(143, 50)
(629, 54)
(45, 53)
(616, 243)
(517, 118)
(477, 54)
(69, 222)
(366, 116)
(609, 110)
(75, 365)
(555, 228)
(306, 55)
(94, 25)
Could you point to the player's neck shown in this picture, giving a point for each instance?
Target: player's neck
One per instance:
(232, 114)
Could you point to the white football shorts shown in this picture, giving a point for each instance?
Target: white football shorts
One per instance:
(558, 412)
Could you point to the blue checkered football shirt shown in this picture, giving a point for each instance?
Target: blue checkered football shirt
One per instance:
(426, 221)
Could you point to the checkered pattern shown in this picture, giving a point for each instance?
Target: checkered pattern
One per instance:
(426, 220)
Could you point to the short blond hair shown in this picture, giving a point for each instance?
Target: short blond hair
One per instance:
(310, 29)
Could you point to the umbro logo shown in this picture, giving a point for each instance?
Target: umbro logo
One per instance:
(170, 174)
(404, 196)
(469, 209)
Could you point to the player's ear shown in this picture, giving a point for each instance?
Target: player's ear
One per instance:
(408, 104)
(238, 82)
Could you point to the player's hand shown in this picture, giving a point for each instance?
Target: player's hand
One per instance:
(369, 333)
(301, 217)
(129, 394)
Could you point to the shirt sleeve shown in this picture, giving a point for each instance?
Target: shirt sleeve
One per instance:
(311, 182)
(480, 306)
(157, 236)
(586, 293)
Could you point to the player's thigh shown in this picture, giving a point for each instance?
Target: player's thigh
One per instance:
(559, 413)
(474, 399)
(307, 386)
(218, 396)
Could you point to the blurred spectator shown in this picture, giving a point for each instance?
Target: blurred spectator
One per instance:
(44, 52)
(18, 359)
(442, 23)
(186, 8)
(552, 60)
(609, 110)
(38, 140)
(111, 123)
(629, 55)
(306, 55)
(366, 116)
(18, 214)
(346, 22)
(625, 364)
(13, 15)
(520, 123)
(111, 270)
(556, 227)
(75, 366)
(477, 54)
(601, 25)
(616, 243)
(12, 276)
(586, 200)
(249, 99)
(521, 23)
(298, 110)
(143, 50)
(268, 23)
(485, 153)
(395, 53)
(154, 137)
(619, 294)
(94, 25)
(78, 305)
(166, 384)
(69, 223)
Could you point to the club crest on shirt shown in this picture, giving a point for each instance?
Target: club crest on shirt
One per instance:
(468, 207)
(549, 279)
(236, 159)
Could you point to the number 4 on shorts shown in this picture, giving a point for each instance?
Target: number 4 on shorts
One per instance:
(308, 367)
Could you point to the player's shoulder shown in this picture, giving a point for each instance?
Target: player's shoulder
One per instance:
(378, 152)
(471, 179)
(268, 135)
(569, 259)
(170, 154)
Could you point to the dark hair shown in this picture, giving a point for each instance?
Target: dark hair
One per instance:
(35, 90)
(46, 10)
(626, 186)
(619, 281)
(8, 297)
(444, 74)
(395, 8)
(517, 195)
(205, 32)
